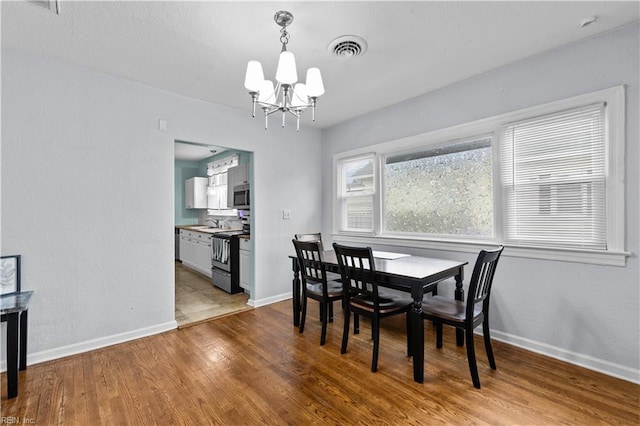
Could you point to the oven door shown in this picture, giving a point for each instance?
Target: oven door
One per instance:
(220, 252)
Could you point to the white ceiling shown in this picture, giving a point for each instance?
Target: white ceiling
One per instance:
(200, 49)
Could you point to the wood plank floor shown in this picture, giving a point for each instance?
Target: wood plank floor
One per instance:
(255, 368)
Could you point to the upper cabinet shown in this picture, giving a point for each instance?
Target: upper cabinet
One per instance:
(195, 193)
(237, 176)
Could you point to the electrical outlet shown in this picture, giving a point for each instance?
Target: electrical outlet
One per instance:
(286, 214)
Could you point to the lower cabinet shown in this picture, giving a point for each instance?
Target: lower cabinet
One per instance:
(245, 264)
(195, 251)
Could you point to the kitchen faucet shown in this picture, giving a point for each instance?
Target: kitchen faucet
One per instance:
(216, 223)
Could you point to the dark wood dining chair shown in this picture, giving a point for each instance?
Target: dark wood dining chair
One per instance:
(357, 268)
(467, 316)
(315, 284)
(317, 236)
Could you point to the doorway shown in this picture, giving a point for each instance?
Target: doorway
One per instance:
(197, 299)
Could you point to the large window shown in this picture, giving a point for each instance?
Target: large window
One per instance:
(441, 191)
(554, 180)
(547, 182)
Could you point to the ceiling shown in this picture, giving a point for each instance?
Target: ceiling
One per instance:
(200, 49)
(190, 151)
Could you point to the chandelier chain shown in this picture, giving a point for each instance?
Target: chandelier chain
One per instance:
(284, 36)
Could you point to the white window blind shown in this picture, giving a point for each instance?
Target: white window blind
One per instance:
(554, 180)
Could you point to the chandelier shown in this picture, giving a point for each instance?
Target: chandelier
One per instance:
(284, 97)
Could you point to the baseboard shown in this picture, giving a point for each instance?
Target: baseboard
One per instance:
(89, 345)
(588, 362)
(269, 300)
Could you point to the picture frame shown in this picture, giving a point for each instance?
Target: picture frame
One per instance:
(10, 274)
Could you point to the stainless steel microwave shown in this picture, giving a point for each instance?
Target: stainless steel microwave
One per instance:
(241, 197)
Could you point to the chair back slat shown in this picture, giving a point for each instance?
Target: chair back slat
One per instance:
(482, 279)
(357, 269)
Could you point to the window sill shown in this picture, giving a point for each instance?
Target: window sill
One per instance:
(608, 258)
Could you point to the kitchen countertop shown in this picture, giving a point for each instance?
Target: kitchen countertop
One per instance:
(205, 229)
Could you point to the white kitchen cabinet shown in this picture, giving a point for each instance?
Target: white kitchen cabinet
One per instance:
(245, 264)
(195, 251)
(237, 176)
(195, 193)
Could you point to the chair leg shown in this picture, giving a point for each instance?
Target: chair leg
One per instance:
(303, 315)
(330, 311)
(356, 323)
(375, 331)
(487, 344)
(438, 325)
(323, 335)
(471, 357)
(345, 331)
(409, 334)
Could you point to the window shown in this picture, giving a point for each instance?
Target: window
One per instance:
(546, 181)
(357, 191)
(441, 191)
(554, 180)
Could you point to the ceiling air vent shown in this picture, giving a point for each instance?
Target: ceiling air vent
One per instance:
(50, 5)
(347, 47)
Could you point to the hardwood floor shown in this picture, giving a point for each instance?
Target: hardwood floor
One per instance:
(198, 300)
(255, 368)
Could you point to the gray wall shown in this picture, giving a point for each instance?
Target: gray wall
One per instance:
(583, 313)
(88, 198)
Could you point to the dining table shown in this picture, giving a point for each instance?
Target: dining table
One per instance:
(416, 275)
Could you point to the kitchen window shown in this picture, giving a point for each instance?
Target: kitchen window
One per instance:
(547, 182)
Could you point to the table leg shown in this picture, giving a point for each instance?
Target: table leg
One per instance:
(459, 295)
(23, 341)
(12, 355)
(296, 292)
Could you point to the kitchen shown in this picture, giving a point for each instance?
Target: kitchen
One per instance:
(212, 231)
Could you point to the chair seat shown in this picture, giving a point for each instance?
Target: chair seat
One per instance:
(334, 289)
(332, 276)
(447, 309)
(387, 304)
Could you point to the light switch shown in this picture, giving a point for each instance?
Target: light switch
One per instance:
(286, 214)
(162, 124)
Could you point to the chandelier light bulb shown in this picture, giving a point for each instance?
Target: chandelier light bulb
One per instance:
(254, 77)
(315, 87)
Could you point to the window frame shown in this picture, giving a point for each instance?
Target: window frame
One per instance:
(340, 210)
(614, 119)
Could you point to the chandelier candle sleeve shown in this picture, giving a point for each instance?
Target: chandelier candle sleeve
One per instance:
(254, 78)
(286, 96)
(286, 72)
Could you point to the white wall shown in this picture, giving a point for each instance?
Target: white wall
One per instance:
(586, 314)
(87, 198)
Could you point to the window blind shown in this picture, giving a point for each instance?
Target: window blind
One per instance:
(553, 178)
